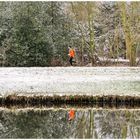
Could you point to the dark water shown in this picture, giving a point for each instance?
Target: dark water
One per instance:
(53, 123)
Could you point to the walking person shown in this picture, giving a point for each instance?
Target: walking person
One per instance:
(71, 55)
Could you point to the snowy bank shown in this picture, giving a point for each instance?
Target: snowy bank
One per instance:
(70, 81)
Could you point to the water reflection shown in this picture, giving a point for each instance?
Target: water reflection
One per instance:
(108, 124)
(87, 123)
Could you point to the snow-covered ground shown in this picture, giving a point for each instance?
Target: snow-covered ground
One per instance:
(70, 80)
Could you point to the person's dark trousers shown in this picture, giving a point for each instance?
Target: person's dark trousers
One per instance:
(70, 60)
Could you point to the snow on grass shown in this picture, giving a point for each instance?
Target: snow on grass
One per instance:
(70, 80)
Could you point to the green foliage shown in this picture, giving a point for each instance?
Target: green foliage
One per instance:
(37, 33)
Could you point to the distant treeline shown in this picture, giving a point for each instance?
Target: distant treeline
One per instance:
(39, 33)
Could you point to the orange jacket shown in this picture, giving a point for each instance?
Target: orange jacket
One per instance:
(71, 114)
(71, 52)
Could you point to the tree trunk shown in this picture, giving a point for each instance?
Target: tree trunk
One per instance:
(91, 31)
(130, 51)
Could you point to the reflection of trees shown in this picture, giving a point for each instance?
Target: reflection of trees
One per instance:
(87, 123)
(133, 123)
(34, 124)
(84, 124)
(119, 124)
(6, 125)
(107, 124)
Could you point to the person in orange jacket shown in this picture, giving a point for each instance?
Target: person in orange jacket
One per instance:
(71, 114)
(71, 55)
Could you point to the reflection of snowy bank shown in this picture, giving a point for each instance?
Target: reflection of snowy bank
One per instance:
(71, 80)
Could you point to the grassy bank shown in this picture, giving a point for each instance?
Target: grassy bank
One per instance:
(110, 101)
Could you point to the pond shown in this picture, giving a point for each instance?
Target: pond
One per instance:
(54, 123)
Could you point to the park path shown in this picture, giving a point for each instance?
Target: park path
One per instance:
(70, 81)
